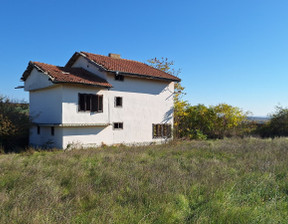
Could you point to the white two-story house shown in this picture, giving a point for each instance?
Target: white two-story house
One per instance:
(96, 100)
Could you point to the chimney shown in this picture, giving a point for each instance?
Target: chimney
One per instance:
(117, 56)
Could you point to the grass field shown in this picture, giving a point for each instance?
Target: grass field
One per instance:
(223, 181)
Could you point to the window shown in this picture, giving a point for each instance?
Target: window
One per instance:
(90, 102)
(161, 130)
(119, 77)
(118, 125)
(52, 131)
(38, 130)
(118, 101)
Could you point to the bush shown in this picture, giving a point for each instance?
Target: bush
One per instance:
(14, 125)
(277, 126)
(223, 120)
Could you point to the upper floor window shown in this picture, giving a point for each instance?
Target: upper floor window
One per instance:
(90, 102)
(119, 77)
(161, 130)
(118, 101)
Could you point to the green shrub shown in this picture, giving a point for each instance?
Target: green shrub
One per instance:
(14, 125)
(277, 126)
(223, 120)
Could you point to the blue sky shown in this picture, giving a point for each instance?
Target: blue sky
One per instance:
(229, 51)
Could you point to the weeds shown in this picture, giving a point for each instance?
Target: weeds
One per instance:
(222, 181)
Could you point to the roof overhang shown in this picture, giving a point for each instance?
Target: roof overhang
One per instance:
(76, 55)
(143, 76)
(29, 69)
(72, 124)
(32, 65)
(82, 84)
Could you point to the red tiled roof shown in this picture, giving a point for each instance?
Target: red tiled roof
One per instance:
(124, 66)
(66, 75)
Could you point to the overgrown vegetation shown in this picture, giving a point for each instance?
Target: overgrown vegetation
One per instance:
(277, 126)
(212, 181)
(14, 125)
(199, 121)
(223, 120)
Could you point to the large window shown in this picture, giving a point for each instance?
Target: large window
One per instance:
(90, 102)
(161, 130)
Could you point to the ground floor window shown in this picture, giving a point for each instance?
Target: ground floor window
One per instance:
(161, 130)
(118, 125)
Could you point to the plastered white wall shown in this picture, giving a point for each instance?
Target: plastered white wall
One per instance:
(144, 102)
(46, 105)
(86, 136)
(70, 105)
(84, 63)
(45, 138)
(37, 80)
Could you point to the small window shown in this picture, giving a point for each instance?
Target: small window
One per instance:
(52, 131)
(90, 102)
(161, 130)
(118, 125)
(38, 130)
(118, 101)
(119, 77)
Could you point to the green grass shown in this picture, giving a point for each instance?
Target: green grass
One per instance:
(224, 181)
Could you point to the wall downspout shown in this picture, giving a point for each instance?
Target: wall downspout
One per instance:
(109, 120)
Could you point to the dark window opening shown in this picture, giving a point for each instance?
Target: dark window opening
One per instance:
(38, 130)
(118, 125)
(119, 77)
(118, 101)
(90, 102)
(52, 131)
(162, 130)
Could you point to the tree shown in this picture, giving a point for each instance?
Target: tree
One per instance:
(199, 122)
(229, 120)
(278, 124)
(165, 65)
(14, 124)
(223, 120)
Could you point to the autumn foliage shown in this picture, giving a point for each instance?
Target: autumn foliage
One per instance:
(222, 120)
(14, 125)
(201, 122)
(277, 126)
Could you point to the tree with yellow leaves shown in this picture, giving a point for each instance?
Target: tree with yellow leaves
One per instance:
(165, 65)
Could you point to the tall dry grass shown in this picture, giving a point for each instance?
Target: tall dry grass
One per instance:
(222, 181)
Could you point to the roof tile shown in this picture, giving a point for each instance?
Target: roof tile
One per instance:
(127, 66)
(68, 75)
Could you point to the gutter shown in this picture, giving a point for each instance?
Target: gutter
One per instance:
(72, 124)
(79, 83)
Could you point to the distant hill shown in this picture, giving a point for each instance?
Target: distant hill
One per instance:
(258, 119)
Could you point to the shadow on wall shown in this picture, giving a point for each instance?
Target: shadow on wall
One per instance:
(168, 115)
(77, 131)
(140, 86)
